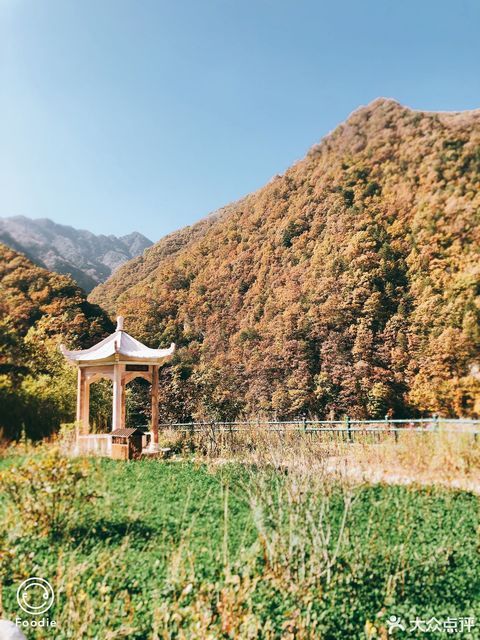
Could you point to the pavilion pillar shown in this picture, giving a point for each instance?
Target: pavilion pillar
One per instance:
(86, 406)
(78, 417)
(124, 385)
(117, 397)
(154, 426)
(83, 402)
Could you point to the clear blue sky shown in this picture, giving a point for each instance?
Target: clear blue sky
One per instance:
(118, 115)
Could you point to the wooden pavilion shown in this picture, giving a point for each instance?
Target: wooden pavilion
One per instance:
(119, 358)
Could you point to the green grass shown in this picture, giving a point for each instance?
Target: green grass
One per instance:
(168, 540)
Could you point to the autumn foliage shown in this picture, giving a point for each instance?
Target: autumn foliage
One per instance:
(350, 284)
(38, 310)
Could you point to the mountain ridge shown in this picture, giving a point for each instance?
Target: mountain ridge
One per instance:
(453, 118)
(86, 257)
(348, 284)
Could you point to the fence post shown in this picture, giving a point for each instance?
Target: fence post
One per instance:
(304, 422)
(395, 432)
(213, 435)
(349, 431)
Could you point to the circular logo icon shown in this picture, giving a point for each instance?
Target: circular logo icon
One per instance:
(35, 596)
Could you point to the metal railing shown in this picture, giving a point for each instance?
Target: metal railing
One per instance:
(346, 426)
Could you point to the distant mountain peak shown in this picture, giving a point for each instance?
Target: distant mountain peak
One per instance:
(90, 259)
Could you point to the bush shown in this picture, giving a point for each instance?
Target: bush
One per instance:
(373, 189)
(348, 197)
(47, 492)
(291, 231)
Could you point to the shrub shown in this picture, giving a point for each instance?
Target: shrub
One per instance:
(348, 197)
(373, 188)
(291, 231)
(47, 492)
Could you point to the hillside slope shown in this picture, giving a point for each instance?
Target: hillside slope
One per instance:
(350, 284)
(38, 309)
(89, 259)
(141, 267)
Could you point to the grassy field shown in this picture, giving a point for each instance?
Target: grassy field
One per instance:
(156, 549)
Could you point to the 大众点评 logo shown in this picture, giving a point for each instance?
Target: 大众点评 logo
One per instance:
(429, 625)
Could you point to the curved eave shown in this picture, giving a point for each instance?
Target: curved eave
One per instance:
(144, 356)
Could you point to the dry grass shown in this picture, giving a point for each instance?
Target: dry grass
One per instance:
(448, 459)
(444, 458)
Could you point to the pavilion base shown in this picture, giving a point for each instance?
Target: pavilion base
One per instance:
(118, 447)
(94, 444)
(156, 451)
(152, 448)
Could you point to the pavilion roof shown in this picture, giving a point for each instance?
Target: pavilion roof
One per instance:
(120, 344)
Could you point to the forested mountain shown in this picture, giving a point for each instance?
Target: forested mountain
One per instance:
(89, 259)
(38, 309)
(169, 246)
(350, 284)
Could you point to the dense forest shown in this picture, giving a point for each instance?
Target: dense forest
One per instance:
(38, 309)
(350, 284)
